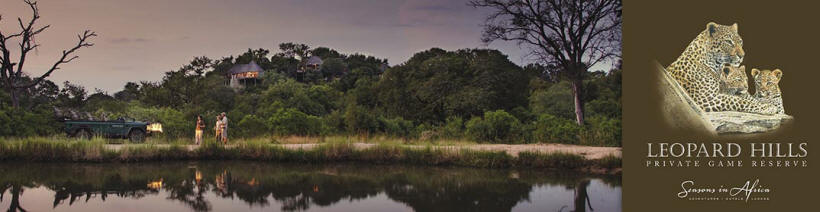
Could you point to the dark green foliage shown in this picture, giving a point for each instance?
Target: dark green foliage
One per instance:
(396, 126)
(294, 122)
(251, 126)
(556, 100)
(72, 95)
(549, 128)
(21, 123)
(360, 120)
(332, 67)
(436, 84)
(453, 128)
(437, 94)
(496, 126)
(174, 123)
(603, 131)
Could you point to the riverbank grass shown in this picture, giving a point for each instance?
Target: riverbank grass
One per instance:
(95, 150)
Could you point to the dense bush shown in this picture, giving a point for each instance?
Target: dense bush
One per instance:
(453, 128)
(396, 126)
(19, 122)
(553, 129)
(251, 126)
(437, 94)
(496, 126)
(602, 131)
(360, 120)
(436, 84)
(556, 100)
(174, 123)
(294, 122)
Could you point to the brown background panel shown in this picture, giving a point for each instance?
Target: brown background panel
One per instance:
(776, 34)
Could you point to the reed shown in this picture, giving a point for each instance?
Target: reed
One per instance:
(338, 150)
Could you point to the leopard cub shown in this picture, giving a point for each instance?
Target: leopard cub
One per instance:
(767, 88)
(734, 80)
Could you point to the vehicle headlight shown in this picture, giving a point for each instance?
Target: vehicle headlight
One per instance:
(154, 127)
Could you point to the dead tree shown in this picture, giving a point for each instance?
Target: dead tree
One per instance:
(571, 35)
(11, 72)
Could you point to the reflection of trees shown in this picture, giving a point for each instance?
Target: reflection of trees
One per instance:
(16, 191)
(494, 195)
(115, 184)
(296, 187)
(581, 198)
(190, 192)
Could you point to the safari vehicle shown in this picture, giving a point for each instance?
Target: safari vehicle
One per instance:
(135, 131)
(85, 125)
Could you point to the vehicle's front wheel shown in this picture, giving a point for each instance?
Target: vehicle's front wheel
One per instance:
(83, 134)
(136, 136)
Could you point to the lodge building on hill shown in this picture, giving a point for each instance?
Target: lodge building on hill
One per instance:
(245, 74)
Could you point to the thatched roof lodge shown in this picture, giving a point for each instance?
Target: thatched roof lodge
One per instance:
(240, 74)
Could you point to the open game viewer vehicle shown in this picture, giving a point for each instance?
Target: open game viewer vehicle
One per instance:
(135, 131)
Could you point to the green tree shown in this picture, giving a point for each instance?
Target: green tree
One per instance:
(293, 49)
(131, 91)
(436, 84)
(72, 95)
(333, 67)
(569, 35)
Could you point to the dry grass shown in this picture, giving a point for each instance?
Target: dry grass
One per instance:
(387, 151)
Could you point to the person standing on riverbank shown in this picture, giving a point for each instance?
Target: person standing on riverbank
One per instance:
(224, 128)
(218, 128)
(200, 125)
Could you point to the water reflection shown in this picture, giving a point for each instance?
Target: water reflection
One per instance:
(199, 186)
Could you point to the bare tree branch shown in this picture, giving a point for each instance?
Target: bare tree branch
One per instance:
(12, 78)
(81, 43)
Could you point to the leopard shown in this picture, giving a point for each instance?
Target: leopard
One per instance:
(698, 71)
(734, 81)
(767, 87)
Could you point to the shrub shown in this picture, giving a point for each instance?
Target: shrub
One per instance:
(425, 132)
(549, 128)
(602, 131)
(556, 100)
(251, 126)
(174, 122)
(359, 119)
(22, 122)
(603, 107)
(294, 122)
(495, 126)
(334, 122)
(396, 126)
(292, 94)
(454, 127)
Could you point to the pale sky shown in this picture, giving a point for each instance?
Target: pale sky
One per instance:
(140, 40)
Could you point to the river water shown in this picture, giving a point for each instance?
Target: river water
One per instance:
(261, 186)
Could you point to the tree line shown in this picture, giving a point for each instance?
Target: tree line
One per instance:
(475, 94)
(469, 93)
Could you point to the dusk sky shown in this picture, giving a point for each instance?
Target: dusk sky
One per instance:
(140, 40)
